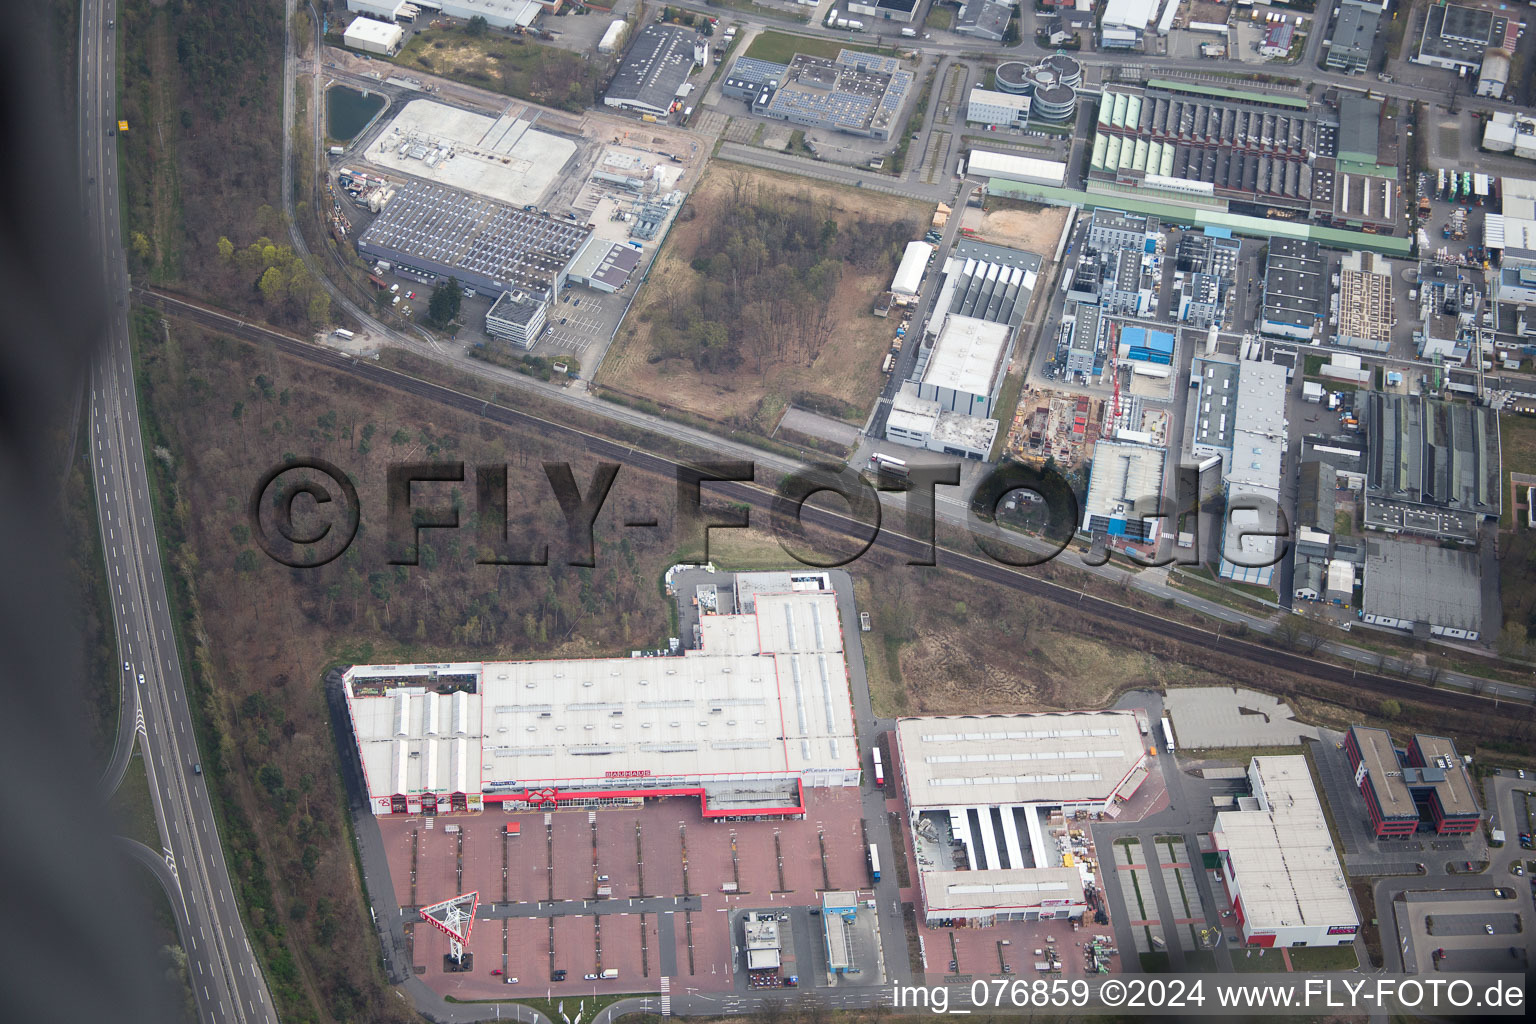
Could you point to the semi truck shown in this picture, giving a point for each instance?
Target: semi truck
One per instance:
(879, 769)
(1168, 733)
(874, 863)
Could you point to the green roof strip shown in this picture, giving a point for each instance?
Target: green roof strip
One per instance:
(1272, 99)
(1170, 214)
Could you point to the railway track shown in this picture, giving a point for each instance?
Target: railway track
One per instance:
(888, 541)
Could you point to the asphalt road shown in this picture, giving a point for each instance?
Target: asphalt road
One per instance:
(226, 980)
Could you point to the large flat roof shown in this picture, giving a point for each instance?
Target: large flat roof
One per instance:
(1127, 479)
(1423, 583)
(766, 696)
(968, 355)
(969, 760)
(1439, 766)
(1288, 873)
(1004, 889)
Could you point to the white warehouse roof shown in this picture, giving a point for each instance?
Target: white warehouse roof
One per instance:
(968, 355)
(972, 760)
(909, 275)
(1131, 14)
(1018, 168)
(767, 697)
(1287, 871)
(379, 33)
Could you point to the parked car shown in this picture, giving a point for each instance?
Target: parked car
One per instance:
(1488, 928)
(589, 977)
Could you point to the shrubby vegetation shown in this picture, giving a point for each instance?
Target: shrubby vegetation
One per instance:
(767, 271)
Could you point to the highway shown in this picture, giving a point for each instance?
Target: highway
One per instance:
(226, 981)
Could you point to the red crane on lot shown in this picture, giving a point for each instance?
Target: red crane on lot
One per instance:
(1114, 366)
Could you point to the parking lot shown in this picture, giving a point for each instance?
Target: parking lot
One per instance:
(666, 876)
(1451, 932)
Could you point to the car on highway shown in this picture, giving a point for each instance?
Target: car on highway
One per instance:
(127, 667)
(197, 768)
(141, 678)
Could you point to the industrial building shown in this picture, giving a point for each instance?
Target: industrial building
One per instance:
(1252, 475)
(1450, 305)
(1027, 169)
(1365, 303)
(760, 710)
(1216, 410)
(1354, 33)
(762, 943)
(983, 19)
(1147, 345)
(1125, 22)
(1125, 494)
(518, 318)
(1425, 788)
(1205, 269)
(885, 10)
(433, 232)
(1208, 146)
(1278, 864)
(965, 367)
(922, 423)
(857, 93)
(988, 798)
(604, 266)
(371, 36)
(989, 282)
(1456, 38)
(1115, 229)
(1433, 466)
(1295, 290)
(651, 77)
(986, 106)
(1423, 589)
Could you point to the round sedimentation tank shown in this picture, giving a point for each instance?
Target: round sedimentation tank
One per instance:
(1013, 77)
(1068, 69)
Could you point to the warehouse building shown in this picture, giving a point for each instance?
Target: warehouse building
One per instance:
(1027, 169)
(1425, 788)
(604, 266)
(1216, 408)
(433, 232)
(909, 272)
(1252, 475)
(988, 799)
(1422, 589)
(1365, 303)
(1278, 864)
(652, 75)
(1432, 467)
(1295, 290)
(965, 368)
(371, 36)
(1456, 38)
(1125, 494)
(759, 711)
(518, 318)
(1354, 33)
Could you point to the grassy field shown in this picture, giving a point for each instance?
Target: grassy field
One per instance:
(131, 805)
(780, 47)
(821, 355)
(515, 66)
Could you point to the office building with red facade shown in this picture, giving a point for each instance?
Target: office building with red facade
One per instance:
(1425, 788)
